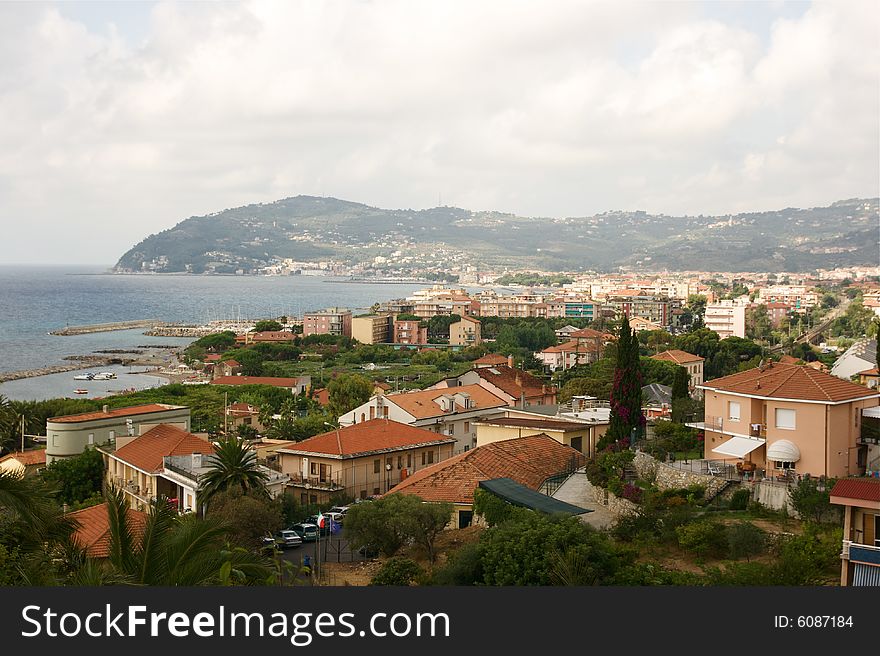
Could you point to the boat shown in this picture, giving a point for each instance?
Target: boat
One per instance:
(88, 376)
(104, 375)
(80, 391)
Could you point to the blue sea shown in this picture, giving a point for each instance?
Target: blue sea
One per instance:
(35, 300)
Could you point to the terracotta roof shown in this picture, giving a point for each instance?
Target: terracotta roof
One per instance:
(117, 412)
(866, 489)
(368, 437)
(535, 422)
(146, 452)
(212, 357)
(322, 396)
(492, 358)
(505, 377)
(527, 460)
(789, 381)
(231, 363)
(93, 528)
(382, 386)
(870, 372)
(256, 380)
(789, 359)
(588, 333)
(423, 405)
(27, 458)
(676, 356)
(572, 347)
(467, 318)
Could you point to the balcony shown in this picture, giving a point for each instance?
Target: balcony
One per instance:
(316, 482)
(862, 553)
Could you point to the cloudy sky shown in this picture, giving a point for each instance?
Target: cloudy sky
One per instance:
(121, 119)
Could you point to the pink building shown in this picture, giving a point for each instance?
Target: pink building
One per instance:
(333, 321)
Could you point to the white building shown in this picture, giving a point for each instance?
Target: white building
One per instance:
(727, 318)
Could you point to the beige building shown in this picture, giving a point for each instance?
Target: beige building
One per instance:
(70, 435)
(362, 460)
(580, 436)
(449, 412)
(465, 332)
(786, 417)
(692, 363)
(24, 463)
(372, 328)
(860, 557)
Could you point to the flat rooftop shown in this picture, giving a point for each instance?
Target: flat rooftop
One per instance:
(117, 412)
(528, 422)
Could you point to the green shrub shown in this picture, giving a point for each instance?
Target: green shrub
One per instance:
(745, 540)
(705, 538)
(740, 499)
(397, 571)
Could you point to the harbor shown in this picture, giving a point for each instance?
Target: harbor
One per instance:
(106, 327)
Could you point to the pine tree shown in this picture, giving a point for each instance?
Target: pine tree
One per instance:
(626, 392)
(679, 393)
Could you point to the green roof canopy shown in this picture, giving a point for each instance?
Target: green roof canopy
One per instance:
(525, 497)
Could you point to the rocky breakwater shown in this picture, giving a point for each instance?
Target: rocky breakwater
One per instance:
(43, 371)
(107, 327)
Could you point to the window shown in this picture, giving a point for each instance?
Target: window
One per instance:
(785, 419)
(377, 466)
(733, 410)
(409, 460)
(400, 462)
(385, 412)
(376, 492)
(467, 427)
(54, 440)
(423, 458)
(314, 468)
(784, 465)
(430, 457)
(91, 438)
(363, 494)
(372, 412)
(452, 429)
(363, 417)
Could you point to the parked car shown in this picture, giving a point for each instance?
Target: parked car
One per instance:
(340, 509)
(336, 517)
(307, 532)
(325, 530)
(288, 539)
(268, 543)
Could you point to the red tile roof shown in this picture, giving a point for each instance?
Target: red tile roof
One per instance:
(492, 358)
(146, 452)
(588, 333)
(117, 412)
(256, 380)
(423, 404)
(865, 489)
(528, 460)
(678, 357)
(93, 529)
(789, 381)
(574, 346)
(322, 396)
(27, 458)
(368, 437)
(505, 378)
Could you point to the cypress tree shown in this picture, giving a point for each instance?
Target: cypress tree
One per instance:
(679, 393)
(626, 392)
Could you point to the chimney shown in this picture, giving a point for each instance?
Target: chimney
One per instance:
(196, 461)
(106, 409)
(510, 361)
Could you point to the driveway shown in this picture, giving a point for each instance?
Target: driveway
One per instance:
(577, 490)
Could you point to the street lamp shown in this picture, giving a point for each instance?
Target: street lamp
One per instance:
(387, 476)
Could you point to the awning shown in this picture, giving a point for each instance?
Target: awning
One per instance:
(520, 495)
(738, 447)
(783, 451)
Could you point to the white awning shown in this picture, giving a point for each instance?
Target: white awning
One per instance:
(783, 451)
(738, 447)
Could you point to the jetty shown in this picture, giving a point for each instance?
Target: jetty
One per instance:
(44, 371)
(106, 327)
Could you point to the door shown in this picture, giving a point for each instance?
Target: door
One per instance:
(577, 443)
(465, 518)
(324, 473)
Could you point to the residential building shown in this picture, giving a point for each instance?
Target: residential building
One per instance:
(332, 321)
(372, 328)
(298, 385)
(243, 414)
(727, 318)
(490, 360)
(92, 529)
(24, 463)
(449, 412)
(361, 460)
(570, 354)
(692, 363)
(631, 304)
(517, 387)
(870, 439)
(857, 358)
(786, 417)
(870, 378)
(410, 331)
(582, 309)
(266, 337)
(640, 324)
(536, 461)
(860, 557)
(579, 435)
(465, 332)
(564, 334)
(69, 435)
(799, 297)
(225, 368)
(777, 313)
(657, 401)
(134, 464)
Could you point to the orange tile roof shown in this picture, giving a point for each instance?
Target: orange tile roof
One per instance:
(146, 452)
(256, 380)
(492, 358)
(866, 489)
(678, 357)
(574, 346)
(790, 381)
(27, 458)
(870, 372)
(117, 412)
(369, 437)
(422, 404)
(788, 359)
(92, 531)
(506, 380)
(528, 460)
(322, 396)
(588, 333)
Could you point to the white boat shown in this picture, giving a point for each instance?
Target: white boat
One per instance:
(84, 376)
(104, 375)
(80, 391)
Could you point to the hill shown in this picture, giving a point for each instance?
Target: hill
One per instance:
(309, 228)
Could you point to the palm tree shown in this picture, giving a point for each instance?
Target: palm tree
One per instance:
(173, 551)
(233, 465)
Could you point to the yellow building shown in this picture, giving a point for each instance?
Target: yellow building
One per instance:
(372, 328)
(465, 332)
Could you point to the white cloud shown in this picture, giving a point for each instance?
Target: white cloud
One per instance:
(562, 109)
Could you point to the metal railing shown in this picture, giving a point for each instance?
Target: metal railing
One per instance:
(327, 483)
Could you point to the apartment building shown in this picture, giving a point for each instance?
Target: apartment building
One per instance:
(727, 318)
(517, 387)
(372, 328)
(465, 332)
(799, 297)
(410, 331)
(860, 557)
(631, 304)
(332, 321)
(692, 363)
(296, 385)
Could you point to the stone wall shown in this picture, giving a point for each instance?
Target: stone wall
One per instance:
(773, 495)
(670, 478)
(615, 505)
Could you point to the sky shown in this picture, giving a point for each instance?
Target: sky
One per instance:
(121, 119)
